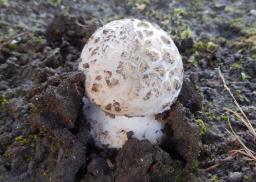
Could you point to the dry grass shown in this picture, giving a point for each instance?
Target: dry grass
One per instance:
(248, 153)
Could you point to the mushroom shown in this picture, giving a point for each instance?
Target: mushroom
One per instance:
(133, 71)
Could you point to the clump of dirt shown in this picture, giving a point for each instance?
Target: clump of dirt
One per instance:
(60, 99)
(75, 30)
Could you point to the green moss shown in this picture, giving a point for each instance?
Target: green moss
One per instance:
(55, 2)
(185, 33)
(249, 30)
(238, 96)
(153, 13)
(229, 9)
(248, 178)
(2, 178)
(178, 12)
(8, 155)
(194, 58)
(197, 4)
(165, 20)
(199, 45)
(214, 178)
(21, 140)
(206, 46)
(4, 102)
(139, 4)
(224, 117)
(203, 127)
(245, 77)
(5, 2)
(236, 22)
(253, 52)
(12, 46)
(211, 46)
(40, 40)
(236, 66)
(115, 17)
(210, 116)
(221, 40)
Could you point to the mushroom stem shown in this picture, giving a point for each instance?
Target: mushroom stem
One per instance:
(113, 131)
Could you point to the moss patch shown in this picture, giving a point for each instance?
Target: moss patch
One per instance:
(203, 127)
(4, 102)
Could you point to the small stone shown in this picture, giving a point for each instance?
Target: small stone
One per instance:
(220, 4)
(253, 12)
(254, 169)
(235, 176)
(245, 169)
(4, 85)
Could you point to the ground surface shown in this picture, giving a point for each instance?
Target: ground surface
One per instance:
(43, 134)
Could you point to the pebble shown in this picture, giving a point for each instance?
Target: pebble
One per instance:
(254, 169)
(235, 176)
(253, 12)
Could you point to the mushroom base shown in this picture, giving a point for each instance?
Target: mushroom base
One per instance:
(112, 132)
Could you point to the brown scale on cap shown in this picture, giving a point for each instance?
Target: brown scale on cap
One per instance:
(160, 70)
(104, 48)
(171, 74)
(98, 77)
(168, 85)
(177, 84)
(120, 70)
(165, 105)
(165, 40)
(143, 67)
(140, 34)
(86, 66)
(130, 68)
(148, 43)
(97, 39)
(105, 31)
(117, 106)
(148, 33)
(143, 24)
(124, 54)
(134, 90)
(113, 82)
(93, 61)
(95, 51)
(153, 55)
(168, 57)
(95, 87)
(120, 67)
(148, 95)
(108, 107)
(156, 91)
(107, 74)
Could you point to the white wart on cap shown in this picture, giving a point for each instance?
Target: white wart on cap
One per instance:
(132, 68)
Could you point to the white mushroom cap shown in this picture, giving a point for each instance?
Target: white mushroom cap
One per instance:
(132, 68)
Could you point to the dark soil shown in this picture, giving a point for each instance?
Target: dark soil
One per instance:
(43, 133)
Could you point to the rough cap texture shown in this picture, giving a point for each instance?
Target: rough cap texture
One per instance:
(132, 68)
